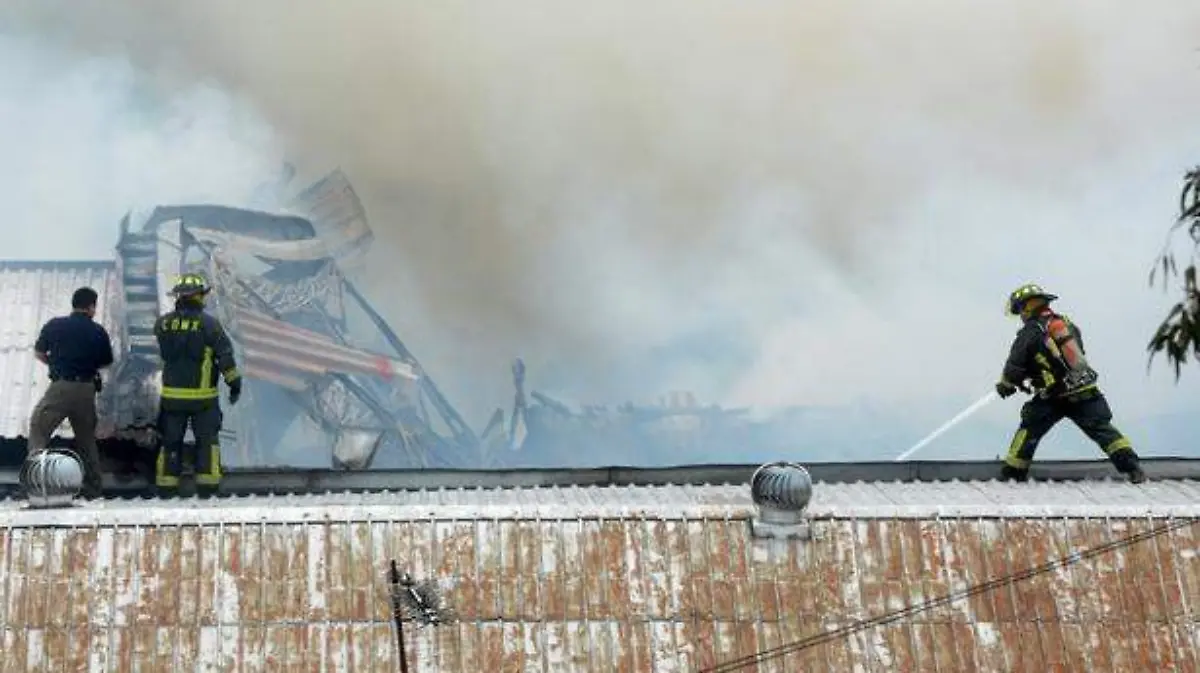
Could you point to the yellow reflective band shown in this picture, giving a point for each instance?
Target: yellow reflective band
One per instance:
(1117, 445)
(231, 374)
(1013, 459)
(161, 478)
(1090, 386)
(1047, 375)
(213, 476)
(206, 366)
(1020, 464)
(189, 393)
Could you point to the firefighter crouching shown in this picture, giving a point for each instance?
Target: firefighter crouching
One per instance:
(1048, 353)
(196, 353)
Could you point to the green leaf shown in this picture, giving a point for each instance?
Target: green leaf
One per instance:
(1178, 336)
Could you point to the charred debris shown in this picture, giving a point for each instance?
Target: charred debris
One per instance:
(332, 385)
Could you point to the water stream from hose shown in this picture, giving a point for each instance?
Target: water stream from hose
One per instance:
(962, 416)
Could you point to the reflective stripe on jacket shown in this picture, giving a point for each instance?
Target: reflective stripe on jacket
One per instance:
(196, 353)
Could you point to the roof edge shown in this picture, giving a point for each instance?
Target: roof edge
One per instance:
(57, 263)
(284, 481)
(307, 481)
(236, 511)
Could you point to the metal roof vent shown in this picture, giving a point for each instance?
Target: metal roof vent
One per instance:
(52, 478)
(781, 491)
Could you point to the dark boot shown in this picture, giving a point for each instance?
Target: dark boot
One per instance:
(1128, 464)
(187, 484)
(1010, 473)
(93, 486)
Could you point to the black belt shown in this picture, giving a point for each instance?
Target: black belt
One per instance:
(74, 379)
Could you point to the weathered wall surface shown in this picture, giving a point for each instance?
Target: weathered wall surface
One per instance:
(631, 594)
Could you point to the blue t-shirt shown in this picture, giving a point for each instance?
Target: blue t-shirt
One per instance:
(77, 346)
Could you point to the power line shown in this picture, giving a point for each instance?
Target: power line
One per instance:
(969, 592)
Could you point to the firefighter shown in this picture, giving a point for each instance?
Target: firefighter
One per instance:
(1047, 359)
(196, 353)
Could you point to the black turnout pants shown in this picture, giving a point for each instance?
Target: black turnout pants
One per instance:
(1088, 410)
(205, 456)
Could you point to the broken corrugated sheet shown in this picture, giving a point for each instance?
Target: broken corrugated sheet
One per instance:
(280, 584)
(31, 293)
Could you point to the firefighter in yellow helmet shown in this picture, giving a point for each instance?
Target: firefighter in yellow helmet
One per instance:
(196, 353)
(1047, 359)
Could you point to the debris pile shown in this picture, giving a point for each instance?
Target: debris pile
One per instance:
(332, 386)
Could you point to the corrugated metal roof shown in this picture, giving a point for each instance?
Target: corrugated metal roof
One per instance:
(31, 293)
(604, 579)
(862, 500)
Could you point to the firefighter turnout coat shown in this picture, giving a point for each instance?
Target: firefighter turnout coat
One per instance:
(196, 353)
(1048, 351)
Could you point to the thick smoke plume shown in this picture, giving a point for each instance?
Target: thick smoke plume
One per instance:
(769, 203)
(84, 139)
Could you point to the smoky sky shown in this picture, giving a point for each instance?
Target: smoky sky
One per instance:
(767, 203)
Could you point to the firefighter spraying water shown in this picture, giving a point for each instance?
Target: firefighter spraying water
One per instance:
(1048, 361)
(1049, 354)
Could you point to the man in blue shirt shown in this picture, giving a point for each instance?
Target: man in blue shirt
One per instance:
(75, 348)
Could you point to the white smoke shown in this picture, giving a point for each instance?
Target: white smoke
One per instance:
(86, 139)
(769, 203)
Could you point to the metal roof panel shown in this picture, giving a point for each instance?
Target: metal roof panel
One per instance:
(677, 593)
(32, 293)
(885, 500)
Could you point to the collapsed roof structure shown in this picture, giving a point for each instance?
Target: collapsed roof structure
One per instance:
(327, 369)
(910, 567)
(333, 386)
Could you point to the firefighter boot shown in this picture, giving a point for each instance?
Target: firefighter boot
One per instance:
(1010, 473)
(187, 479)
(166, 470)
(1128, 464)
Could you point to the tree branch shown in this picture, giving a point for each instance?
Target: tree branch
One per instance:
(1179, 333)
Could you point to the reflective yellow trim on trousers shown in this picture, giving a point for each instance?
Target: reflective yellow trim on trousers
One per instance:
(1013, 459)
(161, 478)
(213, 476)
(1117, 445)
(189, 393)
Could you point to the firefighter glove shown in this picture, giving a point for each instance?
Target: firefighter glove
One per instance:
(235, 391)
(1005, 389)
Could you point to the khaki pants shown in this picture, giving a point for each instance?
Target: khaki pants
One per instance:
(73, 401)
